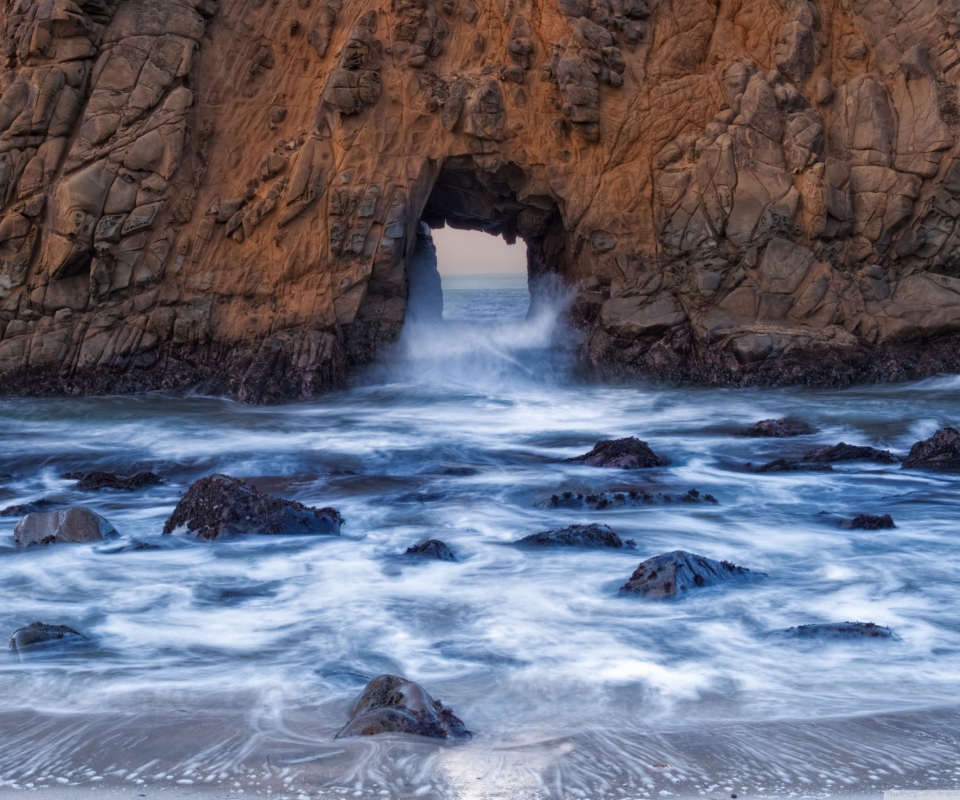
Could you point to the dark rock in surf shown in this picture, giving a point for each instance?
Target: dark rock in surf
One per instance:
(779, 428)
(868, 522)
(785, 465)
(98, 481)
(391, 704)
(633, 499)
(940, 452)
(136, 546)
(671, 574)
(40, 637)
(75, 524)
(848, 452)
(629, 453)
(832, 631)
(431, 549)
(592, 536)
(22, 509)
(220, 505)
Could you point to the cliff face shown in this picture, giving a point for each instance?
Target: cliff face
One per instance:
(741, 190)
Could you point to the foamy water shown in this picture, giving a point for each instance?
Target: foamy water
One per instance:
(235, 662)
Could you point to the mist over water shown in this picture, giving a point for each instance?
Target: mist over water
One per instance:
(571, 690)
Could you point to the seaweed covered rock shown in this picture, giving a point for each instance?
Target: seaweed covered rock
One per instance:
(391, 704)
(672, 574)
(592, 536)
(98, 481)
(832, 631)
(72, 525)
(39, 637)
(431, 549)
(868, 522)
(628, 453)
(220, 505)
(837, 453)
(779, 428)
(940, 452)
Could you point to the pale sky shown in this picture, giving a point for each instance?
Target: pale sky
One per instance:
(475, 252)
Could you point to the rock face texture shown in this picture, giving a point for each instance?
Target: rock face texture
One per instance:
(72, 525)
(229, 194)
(673, 574)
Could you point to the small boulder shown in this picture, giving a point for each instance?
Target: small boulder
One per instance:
(670, 574)
(868, 522)
(779, 428)
(838, 630)
(98, 481)
(633, 499)
(38, 636)
(391, 704)
(75, 524)
(849, 452)
(431, 549)
(592, 536)
(940, 452)
(785, 465)
(629, 453)
(219, 505)
(21, 509)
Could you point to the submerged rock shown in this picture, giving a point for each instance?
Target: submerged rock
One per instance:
(391, 704)
(97, 481)
(868, 522)
(838, 630)
(604, 500)
(38, 636)
(136, 546)
(849, 452)
(629, 453)
(779, 428)
(220, 505)
(593, 536)
(786, 465)
(431, 549)
(75, 524)
(940, 452)
(670, 574)
(21, 509)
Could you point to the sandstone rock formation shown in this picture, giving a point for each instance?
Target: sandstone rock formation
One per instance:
(228, 194)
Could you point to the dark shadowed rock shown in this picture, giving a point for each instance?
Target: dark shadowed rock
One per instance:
(786, 465)
(575, 536)
(605, 500)
(832, 631)
(779, 428)
(940, 452)
(66, 525)
(432, 548)
(868, 522)
(391, 704)
(671, 574)
(629, 453)
(26, 508)
(849, 452)
(40, 637)
(97, 481)
(219, 505)
(136, 546)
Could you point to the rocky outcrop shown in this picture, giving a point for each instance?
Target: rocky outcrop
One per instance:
(838, 631)
(220, 506)
(868, 522)
(67, 526)
(779, 428)
(671, 574)
(39, 637)
(431, 549)
(391, 704)
(837, 453)
(228, 195)
(629, 453)
(940, 452)
(22, 509)
(632, 499)
(98, 481)
(587, 536)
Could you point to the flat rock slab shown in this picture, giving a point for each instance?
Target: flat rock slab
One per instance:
(849, 452)
(672, 574)
(391, 704)
(220, 505)
(940, 452)
(75, 524)
(431, 549)
(98, 481)
(838, 631)
(592, 536)
(608, 500)
(868, 522)
(779, 428)
(629, 453)
(41, 637)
